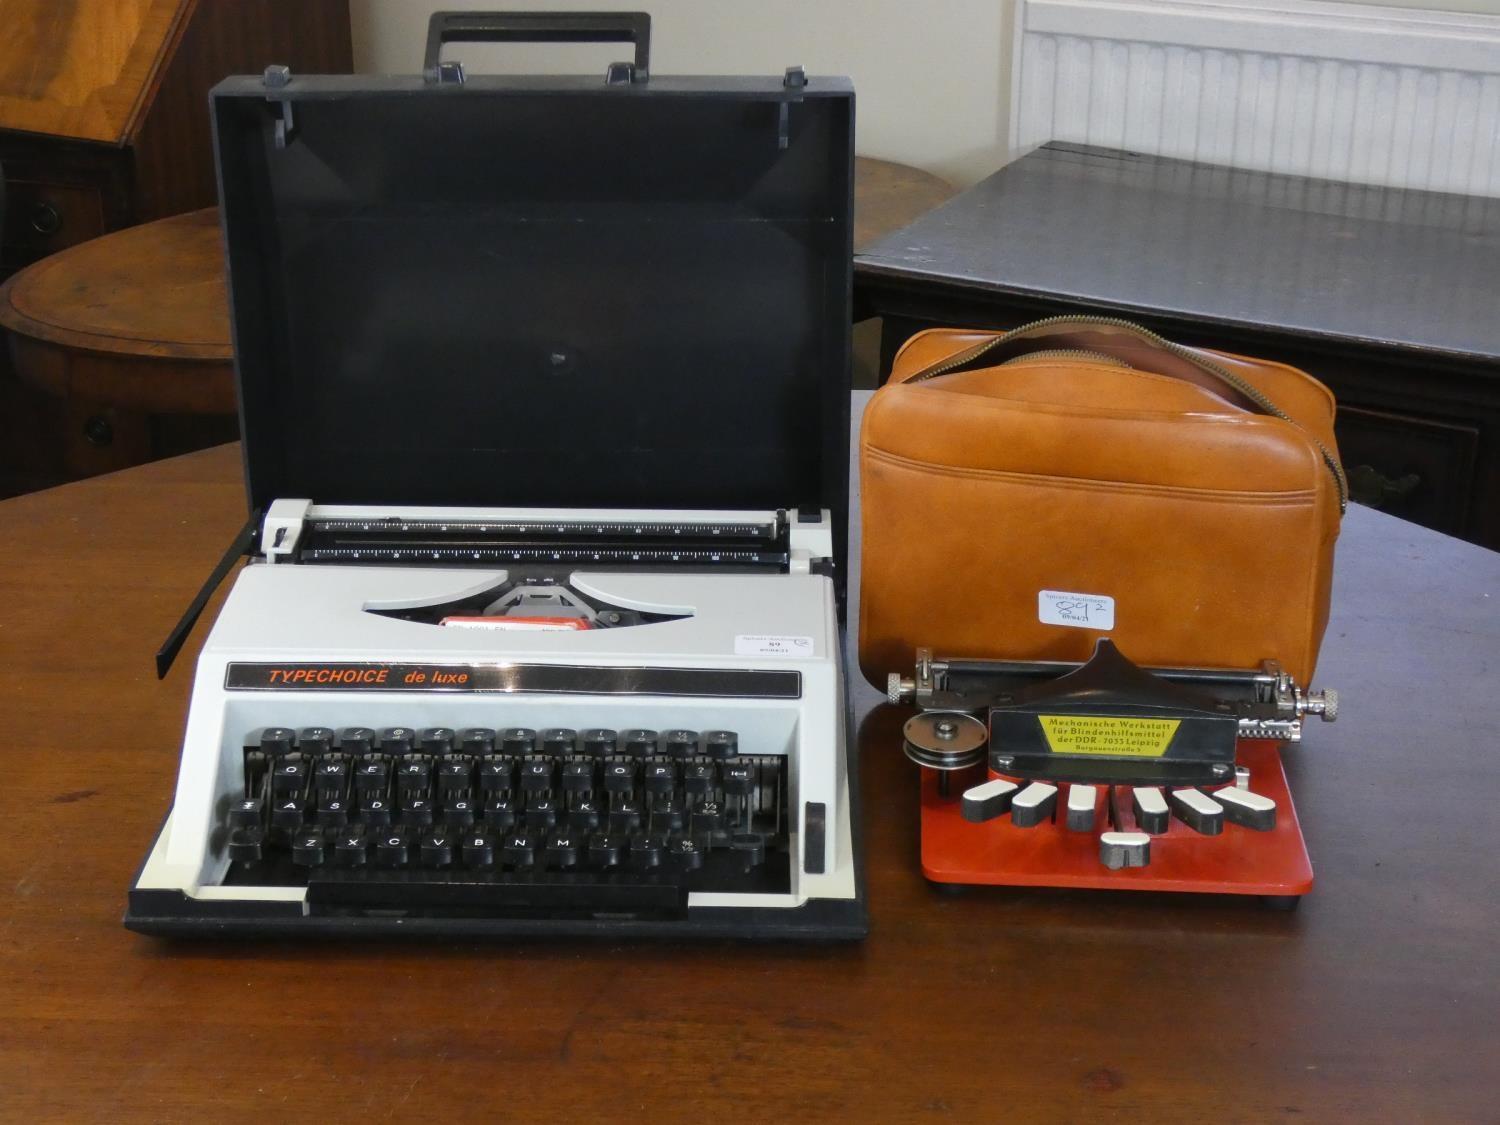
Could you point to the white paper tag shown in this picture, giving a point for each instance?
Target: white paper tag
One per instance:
(1081, 611)
(764, 644)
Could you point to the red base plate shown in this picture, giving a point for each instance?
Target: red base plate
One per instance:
(1239, 861)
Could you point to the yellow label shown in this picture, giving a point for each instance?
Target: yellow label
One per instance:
(1116, 738)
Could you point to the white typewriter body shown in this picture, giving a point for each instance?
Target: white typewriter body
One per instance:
(285, 614)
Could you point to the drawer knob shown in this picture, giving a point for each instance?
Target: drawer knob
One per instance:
(1370, 487)
(45, 219)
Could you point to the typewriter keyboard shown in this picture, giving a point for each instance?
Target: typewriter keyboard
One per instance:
(514, 821)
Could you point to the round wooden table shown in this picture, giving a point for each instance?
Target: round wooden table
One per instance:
(136, 323)
(121, 328)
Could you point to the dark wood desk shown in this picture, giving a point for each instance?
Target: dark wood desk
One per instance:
(1374, 1001)
(1388, 296)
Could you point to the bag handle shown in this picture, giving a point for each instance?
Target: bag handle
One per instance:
(1126, 344)
(538, 27)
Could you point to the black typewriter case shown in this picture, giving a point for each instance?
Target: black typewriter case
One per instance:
(541, 291)
(564, 291)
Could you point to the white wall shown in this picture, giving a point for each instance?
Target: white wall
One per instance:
(932, 78)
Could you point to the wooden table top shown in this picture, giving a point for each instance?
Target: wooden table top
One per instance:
(1345, 264)
(1376, 1000)
(156, 290)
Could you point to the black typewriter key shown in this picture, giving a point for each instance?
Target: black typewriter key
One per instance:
(477, 740)
(519, 850)
(706, 818)
(625, 816)
(679, 743)
(536, 775)
(600, 742)
(247, 813)
(749, 848)
(584, 816)
(290, 776)
(541, 814)
(561, 852)
(371, 775)
(500, 814)
(739, 779)
(416, 810)
(520, 741)
(647, 851)
(667, 816)
(356, 740)
(392, 848)
(437, 740)
(436, 849)
(247, 844)
(309, 848)
(413, 774)
(350, 848)
(277, 740)
(578, 777)
(619, 777)
(639, 743)
(333, 811)
(684, 854)
(720, 744)
(559, 741)
(699, 779)
(478, 848)
(660, 777)
(497, 774)
(606, 851)
(458, 811)
(455, 772)
(286, 813)
(374, 809)
(315, 740)
(397, 740)
(331, 775)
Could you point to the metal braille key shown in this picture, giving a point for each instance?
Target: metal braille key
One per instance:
(1247, 809)
(1081, 802)
(1198, 811)
(1033, 804)
(1150, 809)
(988, 800)
(1124, 849)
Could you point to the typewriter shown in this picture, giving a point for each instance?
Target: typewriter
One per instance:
(547, 464)
(1107, 775)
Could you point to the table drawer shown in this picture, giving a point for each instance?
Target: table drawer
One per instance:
(44, 217)
(1416, 467)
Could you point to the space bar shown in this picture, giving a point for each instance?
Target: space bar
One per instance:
(500, 893)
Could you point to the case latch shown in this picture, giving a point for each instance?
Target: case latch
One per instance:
(795, 80)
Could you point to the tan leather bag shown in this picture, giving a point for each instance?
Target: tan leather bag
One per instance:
(1025, 493)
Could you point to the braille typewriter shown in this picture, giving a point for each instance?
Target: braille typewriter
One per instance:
(550, 639)
(1107, 775)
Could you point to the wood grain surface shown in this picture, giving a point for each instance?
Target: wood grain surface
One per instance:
(1376, 1001)
(80, 68)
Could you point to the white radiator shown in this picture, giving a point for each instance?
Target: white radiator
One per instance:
(1355, 92)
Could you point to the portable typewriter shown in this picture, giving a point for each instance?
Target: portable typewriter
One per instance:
(1108, 775)
(544, 394)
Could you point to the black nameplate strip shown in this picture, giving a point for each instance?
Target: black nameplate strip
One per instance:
(570, 679)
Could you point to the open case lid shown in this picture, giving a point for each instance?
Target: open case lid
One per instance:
(541, 291)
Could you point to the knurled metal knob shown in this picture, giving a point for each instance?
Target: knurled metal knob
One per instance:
(1330, 705)
(898, 688)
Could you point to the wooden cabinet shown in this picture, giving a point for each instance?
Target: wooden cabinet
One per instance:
(104, 124)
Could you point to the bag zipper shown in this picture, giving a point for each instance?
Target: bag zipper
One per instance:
(1249, 390)
(1070, 353)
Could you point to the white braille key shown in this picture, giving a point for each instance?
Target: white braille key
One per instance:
(1081, 800)
(1198, 811)
(989, 800)
(1247, 809)
(1124, 849)
(1033, 804)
